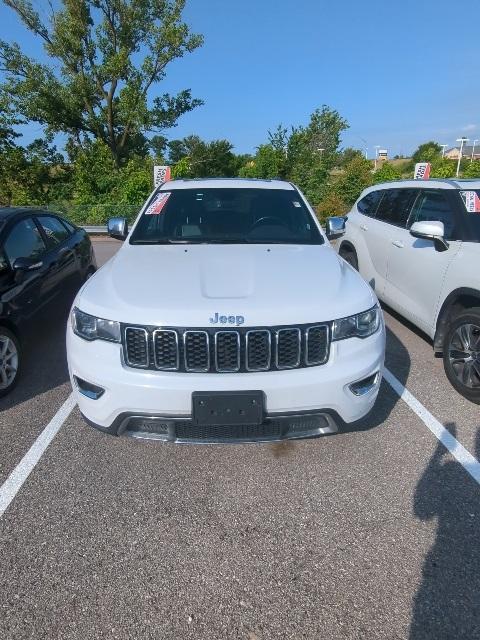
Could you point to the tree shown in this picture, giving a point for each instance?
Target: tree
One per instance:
(472, 170)
(104, 57)
(313, 151)
(386, 173)
(205, 159)
(356, 177)
(443, 168)
(347, 155)
(269, 162)
(158, 145)
(8, 119)
(427, 152)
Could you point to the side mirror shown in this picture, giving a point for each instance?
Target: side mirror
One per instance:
(117, 228)
(335, 227)
(22, 265)
(433, 230)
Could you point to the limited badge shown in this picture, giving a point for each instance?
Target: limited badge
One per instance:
(158, 204)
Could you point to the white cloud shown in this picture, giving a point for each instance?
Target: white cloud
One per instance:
(469, 127)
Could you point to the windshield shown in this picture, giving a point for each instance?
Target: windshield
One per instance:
(256, 216)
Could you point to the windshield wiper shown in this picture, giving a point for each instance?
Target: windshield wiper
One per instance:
(206, 240)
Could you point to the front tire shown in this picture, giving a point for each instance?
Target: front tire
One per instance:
(10, 359)
(461, 354)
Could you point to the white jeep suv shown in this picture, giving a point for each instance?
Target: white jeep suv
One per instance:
(225, 316)
(418, 244)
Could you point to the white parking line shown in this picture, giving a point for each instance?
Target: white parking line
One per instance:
(458, 451)
(15, 480)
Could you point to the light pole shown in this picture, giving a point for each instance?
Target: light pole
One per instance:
(462, 142)
(377, 147)
(444, 146)
(366, 146)
(473, 150)
(320, 151)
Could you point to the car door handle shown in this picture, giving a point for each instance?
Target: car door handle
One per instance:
(397, 243)
(363, 227)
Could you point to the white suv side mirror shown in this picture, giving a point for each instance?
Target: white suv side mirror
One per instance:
(430, 230)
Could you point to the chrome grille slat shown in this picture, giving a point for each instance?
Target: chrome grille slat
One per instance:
(225, 350)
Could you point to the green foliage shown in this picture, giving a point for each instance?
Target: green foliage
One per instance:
(34, 175)
(386, 173)
(347, 155)
(267, 163)
(356, 177)
(104, 57)
(98, 181)
(331, 204)
(443, 168)
(213, 159)
(427, 152)
(472, 170)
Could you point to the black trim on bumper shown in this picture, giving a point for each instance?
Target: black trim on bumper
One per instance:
(181, 429)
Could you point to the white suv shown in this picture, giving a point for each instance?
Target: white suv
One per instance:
(418, 245)
(225, 316)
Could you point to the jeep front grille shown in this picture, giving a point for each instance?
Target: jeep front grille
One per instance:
(226, 350)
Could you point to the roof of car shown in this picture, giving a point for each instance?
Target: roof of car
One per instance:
(7, 212)
(226, 183)
(437, 183)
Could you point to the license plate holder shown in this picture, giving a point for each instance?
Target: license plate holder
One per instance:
(223, 408)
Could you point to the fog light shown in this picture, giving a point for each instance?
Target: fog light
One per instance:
(88, 389)
(362, 387)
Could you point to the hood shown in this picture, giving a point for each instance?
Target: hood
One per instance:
(186, 285)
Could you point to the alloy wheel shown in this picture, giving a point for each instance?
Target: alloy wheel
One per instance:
(8, 361)
(464, 354)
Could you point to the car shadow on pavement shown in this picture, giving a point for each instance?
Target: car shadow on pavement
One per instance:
(397, 360)
(447, 603)
(44, 364)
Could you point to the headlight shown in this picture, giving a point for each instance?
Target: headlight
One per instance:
(91, 328)
(360, 326)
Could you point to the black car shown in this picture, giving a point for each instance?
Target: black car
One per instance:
(44, 260)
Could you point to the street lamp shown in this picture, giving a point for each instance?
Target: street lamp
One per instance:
(444, 146)
(320, 150)
(377, 147)
(473, 149)
(462, 142)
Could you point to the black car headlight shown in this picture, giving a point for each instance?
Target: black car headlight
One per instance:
(360, 325)
(91, 328)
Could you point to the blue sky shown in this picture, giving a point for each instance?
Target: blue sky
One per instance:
(400, 71)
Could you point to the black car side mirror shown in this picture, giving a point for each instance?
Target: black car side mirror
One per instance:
(22, 265)
(117, 228)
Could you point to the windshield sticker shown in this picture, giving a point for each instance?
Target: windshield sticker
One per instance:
(157, 205)
(296, 203)
(471, 201)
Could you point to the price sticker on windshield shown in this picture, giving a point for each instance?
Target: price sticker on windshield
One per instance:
(471, 201)
(158, 204)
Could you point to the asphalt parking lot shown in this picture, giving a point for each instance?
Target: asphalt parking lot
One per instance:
(371, 533)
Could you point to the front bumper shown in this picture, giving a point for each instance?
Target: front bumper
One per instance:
(183, 431)
(134, 397)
